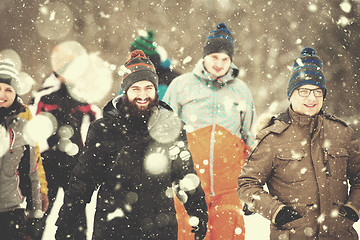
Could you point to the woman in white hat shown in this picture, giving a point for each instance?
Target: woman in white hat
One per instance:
(19, 178)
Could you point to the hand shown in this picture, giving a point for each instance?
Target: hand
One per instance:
(44, 202)
(246, 210)
(349, 213)
(286, 215)
(200, 230)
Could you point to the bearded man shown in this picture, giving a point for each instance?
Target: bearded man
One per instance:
(137, 153)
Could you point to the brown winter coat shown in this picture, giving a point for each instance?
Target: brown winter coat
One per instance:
(305, 163)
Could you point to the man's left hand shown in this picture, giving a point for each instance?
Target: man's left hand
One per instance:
(200, 230)
(349, 213)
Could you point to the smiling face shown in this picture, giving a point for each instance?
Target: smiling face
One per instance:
(309, 105)
(7, 95)
(141, 93)
(217, 63)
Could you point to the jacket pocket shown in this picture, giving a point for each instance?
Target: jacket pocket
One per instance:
(291, 154)
(290, 166)
(337, 160)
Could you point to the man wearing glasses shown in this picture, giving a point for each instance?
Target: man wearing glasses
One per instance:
(308, 160)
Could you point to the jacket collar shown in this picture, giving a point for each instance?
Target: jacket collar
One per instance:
(289, 116)
(209, 79)
(284, 120)
(111, 110)
(11, 113)
(300, 119)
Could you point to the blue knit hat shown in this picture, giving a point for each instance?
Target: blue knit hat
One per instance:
(219, 40)
(307, 69)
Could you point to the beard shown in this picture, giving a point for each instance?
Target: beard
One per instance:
(140, 112)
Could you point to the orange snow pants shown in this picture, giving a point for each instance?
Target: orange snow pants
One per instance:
(224, 207)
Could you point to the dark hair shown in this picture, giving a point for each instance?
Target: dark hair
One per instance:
(14, 109)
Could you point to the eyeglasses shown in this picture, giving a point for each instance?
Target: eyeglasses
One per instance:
(305, 92)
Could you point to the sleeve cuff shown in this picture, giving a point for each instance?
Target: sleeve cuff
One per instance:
(276, 213)
(36, 214)
(353, 208)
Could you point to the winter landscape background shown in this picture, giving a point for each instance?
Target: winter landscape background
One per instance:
(269, 35)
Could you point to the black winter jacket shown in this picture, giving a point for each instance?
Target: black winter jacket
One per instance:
(68, 112)
(137, 166)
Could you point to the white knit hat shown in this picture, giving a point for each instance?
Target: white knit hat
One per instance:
(9, 74)
(69, 59)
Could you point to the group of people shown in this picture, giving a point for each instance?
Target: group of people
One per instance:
(182, 162)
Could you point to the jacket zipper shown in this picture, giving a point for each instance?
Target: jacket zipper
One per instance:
(12, 139)
(212, 143)
(18, 183)
(326, 162)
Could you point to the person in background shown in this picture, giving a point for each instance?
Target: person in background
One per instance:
(307, 159)
(65, 145)
(137, 153)
(31, 226)
(17, 160)
(27, 115)
(219, 112)
(158, 56)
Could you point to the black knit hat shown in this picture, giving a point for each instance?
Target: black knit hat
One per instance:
(307, 69)
(9, 74)
(138, 68)
(219, 41)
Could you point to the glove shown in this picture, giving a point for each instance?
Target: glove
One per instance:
(200, 230)
(286, 215)
(349, 213)
(44, 202)
(246, 210)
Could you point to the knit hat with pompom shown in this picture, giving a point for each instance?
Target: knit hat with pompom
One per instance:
(145, 42)
(219, 41)
(138, 68)
(307, 69)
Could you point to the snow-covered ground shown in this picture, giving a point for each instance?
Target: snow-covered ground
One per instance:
(257, 227)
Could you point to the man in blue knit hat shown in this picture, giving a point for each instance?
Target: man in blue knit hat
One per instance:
(306, 158)
(219, 112)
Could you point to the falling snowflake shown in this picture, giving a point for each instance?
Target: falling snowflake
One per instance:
(118, 213)
(156, 163)
(194, 221)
